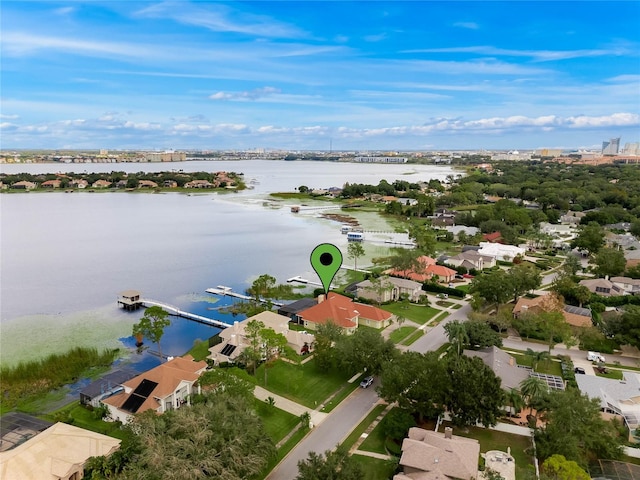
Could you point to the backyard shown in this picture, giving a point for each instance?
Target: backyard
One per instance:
(419, 314)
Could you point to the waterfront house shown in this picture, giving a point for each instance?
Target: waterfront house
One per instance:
(199, 184)
(170, 184)
(428, 270)
(345, 313)
(435, 455)
(391, 288)
(51, 184)
(101, 184)
(165, 387)
(80, 183)
(234, 339)
(106, 386)
(472, 260)
(59, 452)
(147, 184)
(24, 185)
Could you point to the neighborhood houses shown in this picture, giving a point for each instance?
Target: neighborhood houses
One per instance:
(508, 319)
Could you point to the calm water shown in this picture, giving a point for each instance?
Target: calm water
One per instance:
(65, 257)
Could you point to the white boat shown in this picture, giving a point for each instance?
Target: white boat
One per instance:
(355, 236)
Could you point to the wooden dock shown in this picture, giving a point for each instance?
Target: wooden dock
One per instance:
(181, 313)
(227, 291)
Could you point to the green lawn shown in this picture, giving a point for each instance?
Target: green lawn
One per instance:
(301, 383)
(464, 288)
(283, 451)
(615, 374)
(341, 395)
(277, 423)
(83, 418)
(413, 337)
(200, 350)
(416, 313)
(549, 366)
(375, 441)
(376, 469)
(401, 333)
(444, 303)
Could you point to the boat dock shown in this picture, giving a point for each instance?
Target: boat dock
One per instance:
(227, 291)
(181, 313)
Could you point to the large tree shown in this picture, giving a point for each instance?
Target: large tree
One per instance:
(559, 468)
(590, 238)
(481, 335)
(494, 288)
(219, 438)
(609, 261)
(523, 278)
(152, 325)
(333, 465)
(474, 394)
(365, 350)
(323, 348)
(457, 335)
(417, 382)
(574, 428)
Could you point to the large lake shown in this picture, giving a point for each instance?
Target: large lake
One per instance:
(65, 257)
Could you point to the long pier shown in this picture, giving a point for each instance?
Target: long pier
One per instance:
(181, 313)
(226, 291)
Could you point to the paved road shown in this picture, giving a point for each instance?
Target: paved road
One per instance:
(436, 336)
(333, 430)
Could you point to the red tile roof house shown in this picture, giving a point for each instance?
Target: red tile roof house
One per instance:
(165, 387)
(51, 184)
(427, 272)
(345, 313)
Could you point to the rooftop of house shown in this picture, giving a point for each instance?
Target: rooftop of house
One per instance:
(158, 383)
(57, 452)
(342, 311)
(440, 453)
(503, 365)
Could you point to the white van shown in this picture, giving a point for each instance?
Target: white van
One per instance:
(595, 357)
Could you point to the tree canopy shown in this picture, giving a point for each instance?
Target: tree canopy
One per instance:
(152, 325)
(332, 465)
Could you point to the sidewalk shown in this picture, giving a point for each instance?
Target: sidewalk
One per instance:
(289, 405)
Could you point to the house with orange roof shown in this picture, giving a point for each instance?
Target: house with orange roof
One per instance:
(575, 316)
(165, 387)
(426, 272)
(51, 184)
(345, 313)
(494, 237)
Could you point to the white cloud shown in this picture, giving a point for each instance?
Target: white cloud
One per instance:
(537, 55)
(222, 18)
(246, 95)
(6, 116)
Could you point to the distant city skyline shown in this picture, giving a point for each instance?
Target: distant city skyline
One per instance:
(319, 75)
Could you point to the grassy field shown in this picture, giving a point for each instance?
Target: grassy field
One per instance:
(376, 469)
(548, 366)
(301, 383)
(277, 423)
(615, 374)
(200, 350)
(416, 313)
(401, 333)
(375, 441)
(413, 337)
(84, 418)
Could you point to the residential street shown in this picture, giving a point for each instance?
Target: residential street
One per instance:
(332, 431)
(436, 336)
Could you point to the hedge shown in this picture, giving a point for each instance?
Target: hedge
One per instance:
(433, 287)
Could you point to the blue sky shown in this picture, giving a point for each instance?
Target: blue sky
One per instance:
(307, 75)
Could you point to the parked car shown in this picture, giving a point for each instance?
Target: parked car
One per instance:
(579, 370)
(366, 382)
(466, 275)
(459, 277)
(442, 295)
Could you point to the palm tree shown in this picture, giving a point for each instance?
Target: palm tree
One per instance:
(515, 401)
(536, 357)
(532, 389)
(457, 335)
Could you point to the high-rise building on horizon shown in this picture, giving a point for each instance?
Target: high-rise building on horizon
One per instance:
(611, 147)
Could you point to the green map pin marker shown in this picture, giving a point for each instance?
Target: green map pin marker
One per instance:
(326, 260)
